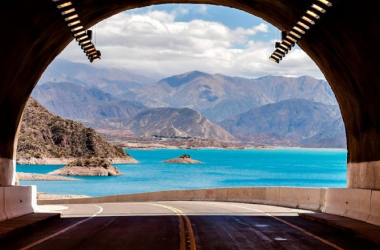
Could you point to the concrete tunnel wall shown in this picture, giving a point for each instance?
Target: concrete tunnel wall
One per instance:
(344, 44)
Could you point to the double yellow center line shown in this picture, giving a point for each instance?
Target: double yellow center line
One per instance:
(185, 228)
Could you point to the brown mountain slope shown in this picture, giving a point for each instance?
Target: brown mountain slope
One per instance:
(172, 122)
(44, 135)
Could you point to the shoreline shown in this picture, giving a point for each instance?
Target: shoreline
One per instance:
(232, 148)
(121, 161)
(43, 177)
(65, 161)
(50, 196)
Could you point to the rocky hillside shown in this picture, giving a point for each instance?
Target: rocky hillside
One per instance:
(173, 122)
(294, 122)
(44, 135)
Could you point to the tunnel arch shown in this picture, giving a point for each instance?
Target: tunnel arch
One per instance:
(343, 45)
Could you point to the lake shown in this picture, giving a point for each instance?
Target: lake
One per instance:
(221, 168)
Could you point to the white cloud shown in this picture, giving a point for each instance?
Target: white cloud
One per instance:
(154, 41)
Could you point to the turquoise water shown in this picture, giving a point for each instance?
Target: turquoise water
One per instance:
(222, 168)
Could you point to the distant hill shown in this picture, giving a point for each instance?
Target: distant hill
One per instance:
(218, 96)
(294, 122)
(90, 106)
(332, 136)
(173, 122)
(43, 135)
(113, 81)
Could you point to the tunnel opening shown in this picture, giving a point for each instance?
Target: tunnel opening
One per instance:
(358, 113)
(80, 79)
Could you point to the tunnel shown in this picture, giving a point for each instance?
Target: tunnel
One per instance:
(343, 44)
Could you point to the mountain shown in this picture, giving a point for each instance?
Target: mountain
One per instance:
(174, 122)
(44, 135)
(90, 106)
(113, 81)
(332, 136)
(218, 96)
(294, 122)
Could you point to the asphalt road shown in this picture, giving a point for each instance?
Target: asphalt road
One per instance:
(180, 225)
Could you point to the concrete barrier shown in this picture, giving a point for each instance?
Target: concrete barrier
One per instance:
(360, 204)
(217, 194)
(247, 195)
(19, 200)
(374, 217)
(352, 203)
(311, 198)
(272, 195)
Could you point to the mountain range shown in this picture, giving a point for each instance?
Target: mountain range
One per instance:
(293, 122)
(272, 110)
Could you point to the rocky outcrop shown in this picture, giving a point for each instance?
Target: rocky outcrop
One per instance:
(184, 159)
(48, 139)
(88, 167)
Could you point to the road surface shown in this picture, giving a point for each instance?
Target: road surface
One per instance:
(180, 225)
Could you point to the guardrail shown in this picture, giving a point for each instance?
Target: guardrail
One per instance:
(360, 204)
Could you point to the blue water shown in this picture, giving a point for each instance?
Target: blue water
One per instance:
(222, 168)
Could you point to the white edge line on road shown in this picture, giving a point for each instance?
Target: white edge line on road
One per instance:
(63, 230)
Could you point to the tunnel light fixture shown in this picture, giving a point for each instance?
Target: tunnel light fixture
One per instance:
(319, 8)
(282, 45)
(84, 42)
(71, 17)
(77, 30)
(60, 6)
(299, 30)
(303, 25)
(68, 11)
(90, 49)
(305, 18)
(282, 50)
(73, 23)
(81, 38)
(87, 46)
(92, 53)
(325, 2)
(313, 14)
(80, 33)
(294, 34)
(289, 39)
(274, 60)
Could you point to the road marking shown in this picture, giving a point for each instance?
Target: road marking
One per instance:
(291, 225)
(181, 214)
(63, 230)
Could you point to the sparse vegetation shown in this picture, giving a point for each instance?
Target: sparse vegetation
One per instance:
(44, 135)
(185, 156)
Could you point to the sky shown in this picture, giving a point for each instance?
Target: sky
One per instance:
(165, 40)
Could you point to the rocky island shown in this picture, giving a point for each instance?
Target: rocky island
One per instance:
(184, 159)
(49, 139)
(88, 167)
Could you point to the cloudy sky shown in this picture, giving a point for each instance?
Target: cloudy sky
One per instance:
(171, 39)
